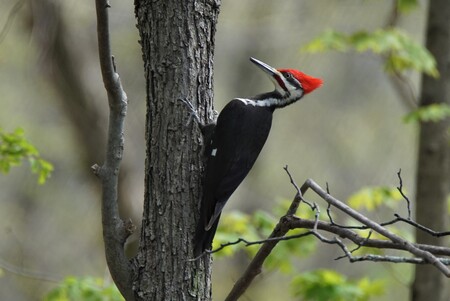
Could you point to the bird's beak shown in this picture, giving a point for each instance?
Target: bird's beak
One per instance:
(275, 76)
(272, 72)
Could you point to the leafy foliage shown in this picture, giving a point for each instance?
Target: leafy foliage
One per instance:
(370, 198)
(406, 5)
(373, 198)
(317, 285)
(84, 289)
(400, 51)
(14, 148)
(326, 285)
(235, 225)
(434, 113)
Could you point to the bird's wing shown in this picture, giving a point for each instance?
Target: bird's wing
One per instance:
(236, 144)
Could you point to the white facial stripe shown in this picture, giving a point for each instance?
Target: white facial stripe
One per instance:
(213, 153)
(289, 85)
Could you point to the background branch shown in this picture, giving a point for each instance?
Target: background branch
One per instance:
(27, 273)
(115, 231)
(399, 81)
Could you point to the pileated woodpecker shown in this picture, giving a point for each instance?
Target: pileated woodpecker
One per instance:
(236, 141)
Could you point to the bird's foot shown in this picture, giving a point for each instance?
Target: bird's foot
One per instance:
(193, 112)
(206, 129)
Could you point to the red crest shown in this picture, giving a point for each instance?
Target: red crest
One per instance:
(309, 83)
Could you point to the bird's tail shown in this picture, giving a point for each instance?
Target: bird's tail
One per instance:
(203, 238)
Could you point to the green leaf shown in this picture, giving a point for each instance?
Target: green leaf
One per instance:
(371, 288)
(14, 148)
(257, 227)
(84, 289)
(401, 53)
(232, 226)
(370, 198)
(326, 285)
(329, 40)
(287, 251)
(407, 5)
(434, 113)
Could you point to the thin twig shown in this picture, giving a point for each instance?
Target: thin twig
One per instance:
(12, 13)
(422, 227)
(378, 228)
(362, 244)
(400, 189)
(298, 197)
(27, 273)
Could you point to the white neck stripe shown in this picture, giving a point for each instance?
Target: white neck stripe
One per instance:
(259, 103)
(274, 102)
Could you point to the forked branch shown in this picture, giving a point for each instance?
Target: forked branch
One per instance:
(423, 254)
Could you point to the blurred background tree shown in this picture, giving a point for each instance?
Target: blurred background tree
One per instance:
(350, 135)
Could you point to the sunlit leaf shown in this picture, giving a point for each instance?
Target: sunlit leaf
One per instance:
(407, 5)
(329, 40)
(326, 285)
(370, 198)
(372, 288)
(14, 148)
(400, 51)
(234, 225)
(84, 289)
(434, 112)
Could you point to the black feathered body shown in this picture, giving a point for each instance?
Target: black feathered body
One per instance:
(239, 136)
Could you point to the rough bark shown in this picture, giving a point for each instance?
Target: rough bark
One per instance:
(177, 39)
(433, 164)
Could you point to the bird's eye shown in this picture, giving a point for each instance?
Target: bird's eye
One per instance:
(288, 75)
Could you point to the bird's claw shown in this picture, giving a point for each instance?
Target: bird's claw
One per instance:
(193, 113)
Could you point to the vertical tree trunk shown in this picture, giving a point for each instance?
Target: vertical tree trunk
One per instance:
(433, 176)
(177, 39)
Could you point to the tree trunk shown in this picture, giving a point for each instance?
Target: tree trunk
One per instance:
(177, 39)
(433, 173)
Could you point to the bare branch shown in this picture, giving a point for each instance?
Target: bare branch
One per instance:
(425, 254)
(297, 223)
(27, 273)
(115, 231)
(378, 228)
(401, 83)
(14, 10)
(394, 259)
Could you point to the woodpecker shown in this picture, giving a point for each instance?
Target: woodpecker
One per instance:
(237, 139)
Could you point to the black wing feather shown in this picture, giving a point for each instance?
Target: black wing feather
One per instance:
(239, 136)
